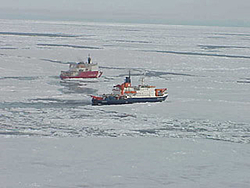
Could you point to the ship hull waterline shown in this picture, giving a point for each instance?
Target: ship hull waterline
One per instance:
(128, 100)
(83, 75)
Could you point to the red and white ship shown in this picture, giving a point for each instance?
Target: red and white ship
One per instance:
(82, 70)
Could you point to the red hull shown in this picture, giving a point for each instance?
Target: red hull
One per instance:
(87, 74)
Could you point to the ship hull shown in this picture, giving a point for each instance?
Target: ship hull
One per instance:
(81, 75)
(113, 101)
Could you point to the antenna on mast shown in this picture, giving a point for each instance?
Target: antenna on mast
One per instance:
(142, 79)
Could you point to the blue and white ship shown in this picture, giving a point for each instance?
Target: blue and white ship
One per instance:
(127, 94)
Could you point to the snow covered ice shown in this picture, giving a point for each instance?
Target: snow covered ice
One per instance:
(122, 162)
(51, 135)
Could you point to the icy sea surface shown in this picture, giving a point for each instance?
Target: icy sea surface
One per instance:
(206, 71)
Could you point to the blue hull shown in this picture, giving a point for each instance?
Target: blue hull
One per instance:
(113, 101)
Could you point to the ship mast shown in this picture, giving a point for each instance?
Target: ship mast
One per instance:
(142, 81)
(128, 79)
